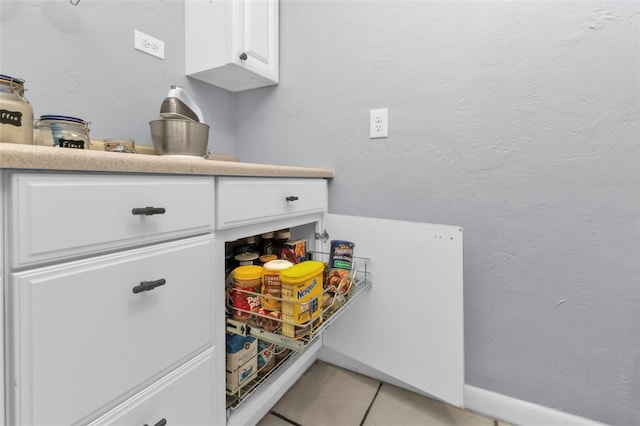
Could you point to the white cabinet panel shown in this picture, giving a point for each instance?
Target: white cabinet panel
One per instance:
(184, 398)
(83, 338)
(232, 44)
(243, 201)
(55, 216)
(410, 325)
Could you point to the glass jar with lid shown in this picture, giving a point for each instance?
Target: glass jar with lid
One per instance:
(16, 113)
(62, 131)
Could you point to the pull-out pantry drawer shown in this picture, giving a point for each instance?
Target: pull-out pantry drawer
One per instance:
(245, 200)
(184, 397)
(88, 334)
(60, 215)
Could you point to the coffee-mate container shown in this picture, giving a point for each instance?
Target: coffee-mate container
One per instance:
(301, 297)
(271, 283)
(16, 113)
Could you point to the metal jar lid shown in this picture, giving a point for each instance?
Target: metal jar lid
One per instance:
(14, 82)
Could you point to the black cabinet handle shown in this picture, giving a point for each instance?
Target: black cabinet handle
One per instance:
(291, 198)
(148, 285)
(148, 211)
(243, 56)
(162, 422)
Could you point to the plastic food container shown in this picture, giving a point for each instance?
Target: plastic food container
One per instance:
(246, 279)
(271, 284)
(245, 259)
(62, 131)
(16, 113)
(301, 297)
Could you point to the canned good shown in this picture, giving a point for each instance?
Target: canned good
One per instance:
(16, 113)
(246, 281)
(62, 131)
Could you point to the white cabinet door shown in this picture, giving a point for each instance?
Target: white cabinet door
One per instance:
(409, 326)
(232, 44)
(256, 23)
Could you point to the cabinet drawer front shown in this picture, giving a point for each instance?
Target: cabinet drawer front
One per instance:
(82, 338)
(243, 201)
(55, 216)
(185, 397)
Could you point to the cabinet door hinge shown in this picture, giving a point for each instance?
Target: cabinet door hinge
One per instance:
(324, 236)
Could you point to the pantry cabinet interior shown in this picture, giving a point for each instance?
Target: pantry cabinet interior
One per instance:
(406, 328)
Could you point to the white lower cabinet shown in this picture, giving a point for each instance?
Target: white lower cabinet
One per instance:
(406, 328)
(125, 325)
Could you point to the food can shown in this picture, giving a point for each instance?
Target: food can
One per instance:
(301, 297)
(246, 281)
(271, 284)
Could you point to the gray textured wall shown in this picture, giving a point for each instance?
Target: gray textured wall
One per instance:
(517, 120)
(80, 61)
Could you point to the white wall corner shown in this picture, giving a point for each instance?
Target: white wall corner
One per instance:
(517, 411)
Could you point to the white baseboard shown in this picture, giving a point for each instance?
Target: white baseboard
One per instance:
(517, 411)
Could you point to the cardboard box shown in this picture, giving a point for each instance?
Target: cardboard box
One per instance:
(243, 375)
(299, 249)
(240, 350)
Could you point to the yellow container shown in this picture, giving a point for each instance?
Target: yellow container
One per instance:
(301, 296)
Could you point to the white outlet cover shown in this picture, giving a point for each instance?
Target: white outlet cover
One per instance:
(147, 44)
(379, 123)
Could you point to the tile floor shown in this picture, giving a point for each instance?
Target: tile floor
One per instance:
(328, 395)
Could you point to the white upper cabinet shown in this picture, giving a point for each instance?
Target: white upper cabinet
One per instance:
(232, 44)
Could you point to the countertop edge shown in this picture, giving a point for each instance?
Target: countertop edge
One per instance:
(14, 156)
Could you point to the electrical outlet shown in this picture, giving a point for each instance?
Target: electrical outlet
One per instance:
(147, 44)
(379, 123)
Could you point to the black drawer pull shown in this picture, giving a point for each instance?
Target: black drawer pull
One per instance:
(148, 285)
(148, 211)
(291, 198)
(162, 422)
(243, 56)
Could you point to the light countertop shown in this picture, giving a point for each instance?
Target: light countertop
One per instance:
(15, 156)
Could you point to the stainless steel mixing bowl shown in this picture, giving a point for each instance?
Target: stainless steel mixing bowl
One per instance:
(179, 137)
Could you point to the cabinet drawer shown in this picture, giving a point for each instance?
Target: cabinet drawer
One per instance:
(243, 201)
(82, 339)
(185, 397)
(55, 216)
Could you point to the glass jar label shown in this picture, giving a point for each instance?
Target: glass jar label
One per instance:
(70, 143)
(11, 117)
